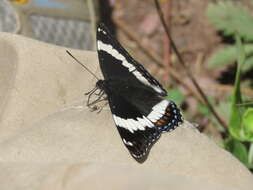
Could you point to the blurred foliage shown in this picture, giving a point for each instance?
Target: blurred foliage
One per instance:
(221, 107)
(176, 95)
(248, 119)
(238, 149)
(234, 20)
(228, 55)
(231, 18)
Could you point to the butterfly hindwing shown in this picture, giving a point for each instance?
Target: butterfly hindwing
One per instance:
(138, 133)
(163, 113)
(140, 116)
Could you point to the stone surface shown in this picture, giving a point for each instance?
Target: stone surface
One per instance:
(50, 140)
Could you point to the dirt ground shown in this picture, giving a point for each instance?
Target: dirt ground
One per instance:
(190, 28)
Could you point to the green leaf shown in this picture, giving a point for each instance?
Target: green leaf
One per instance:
(250, 156)
(248, 65)
(229, 55)
(238, 149)
(248, 120)
(202, 108)
(176, 95)
(222, 109)
(235, 122)
(231, 18)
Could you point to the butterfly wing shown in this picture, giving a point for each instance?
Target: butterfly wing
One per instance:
(140, 116)
(163, 113)
(135, 98)
(116, 63)
(137, 132)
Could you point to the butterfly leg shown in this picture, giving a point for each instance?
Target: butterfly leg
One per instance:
(95, 108)
(90, 93)
(102, 107)
(99, 99)
(99, 93)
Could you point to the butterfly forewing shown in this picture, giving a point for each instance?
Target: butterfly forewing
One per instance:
(113, 58)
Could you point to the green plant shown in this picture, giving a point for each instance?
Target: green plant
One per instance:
(235, 21)
(176, 95)
(231, 18)
(241, 118)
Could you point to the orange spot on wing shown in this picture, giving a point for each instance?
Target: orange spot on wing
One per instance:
(158, 123)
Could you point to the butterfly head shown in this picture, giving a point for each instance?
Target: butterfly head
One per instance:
(101, 84)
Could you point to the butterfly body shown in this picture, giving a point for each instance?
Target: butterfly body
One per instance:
(136, 99)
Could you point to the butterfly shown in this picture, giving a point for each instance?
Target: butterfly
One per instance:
(136, 99)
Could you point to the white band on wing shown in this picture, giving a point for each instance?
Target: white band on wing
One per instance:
(140, 123)
(158, 111)
(113, 52)
(132, 124)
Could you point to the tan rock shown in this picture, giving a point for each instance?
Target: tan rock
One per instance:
(50, 140)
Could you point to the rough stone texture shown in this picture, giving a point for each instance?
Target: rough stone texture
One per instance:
(50, 140)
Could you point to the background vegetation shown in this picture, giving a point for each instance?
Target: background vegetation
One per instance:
(212, 76)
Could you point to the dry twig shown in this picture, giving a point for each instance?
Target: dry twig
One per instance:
(181, 61)
(166, 42)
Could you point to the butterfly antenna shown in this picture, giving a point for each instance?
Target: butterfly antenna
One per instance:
(82, 64)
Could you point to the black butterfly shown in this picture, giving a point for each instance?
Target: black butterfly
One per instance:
(136, 99)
